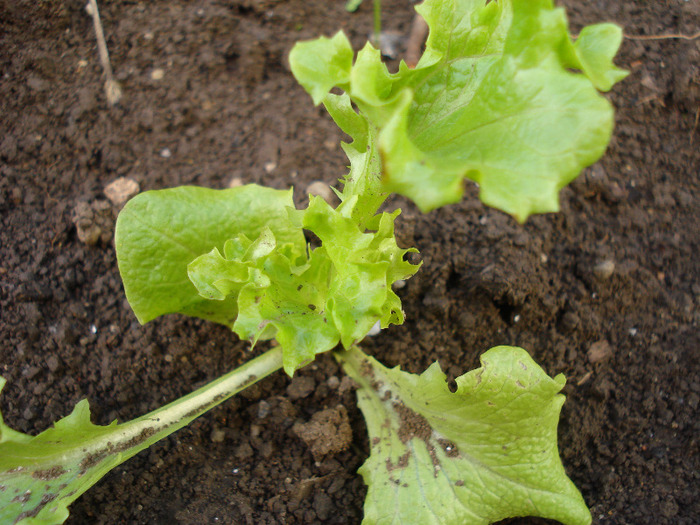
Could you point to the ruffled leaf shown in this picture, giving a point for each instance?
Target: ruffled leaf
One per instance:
(595, 49)
(481, 454)
(363, 190)
(492, 99)
(159, 233)
(309, 304)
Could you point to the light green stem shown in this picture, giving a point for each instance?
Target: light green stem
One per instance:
(377, 22)
(41, 476)
(172, 417)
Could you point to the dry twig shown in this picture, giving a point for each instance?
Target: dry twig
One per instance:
(663, 37)
(112, 89)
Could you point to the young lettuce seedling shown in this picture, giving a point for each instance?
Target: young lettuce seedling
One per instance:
(495, 99)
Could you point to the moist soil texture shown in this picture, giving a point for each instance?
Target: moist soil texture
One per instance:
(606, 291)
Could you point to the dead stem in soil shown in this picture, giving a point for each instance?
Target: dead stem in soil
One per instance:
(113, 91)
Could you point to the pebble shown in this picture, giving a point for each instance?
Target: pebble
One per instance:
(323, 190)
(235, 182)
(157, 74)
(53, 363)
(301, 387)
(390, 43)
(218, 435)
(599, 351)
(333, 382)
(166, 153)
(603, 270)
(375, 330)
(121, 190)
(263, 409)
(31, 372)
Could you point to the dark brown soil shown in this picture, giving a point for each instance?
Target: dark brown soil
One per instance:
(613, 278)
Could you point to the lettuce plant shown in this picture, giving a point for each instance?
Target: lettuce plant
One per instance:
(502, 96)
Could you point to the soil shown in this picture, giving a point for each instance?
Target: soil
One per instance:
(606, 291)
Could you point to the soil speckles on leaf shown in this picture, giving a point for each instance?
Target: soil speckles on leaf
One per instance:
(412, 424)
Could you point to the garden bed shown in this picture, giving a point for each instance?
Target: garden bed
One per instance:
(606, 291)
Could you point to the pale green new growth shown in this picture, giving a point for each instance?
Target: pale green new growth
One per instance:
(481, 454)
(311, 303)
(40, 476)
(239, 257)
(363, 191)
(159, 233)
(492, 99)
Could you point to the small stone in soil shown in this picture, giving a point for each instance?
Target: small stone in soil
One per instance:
(235, 182)
(157, 74)
(121, 190)
(53, 363)
(599, 351)
(323, 190)
(603, 270)
(218, 435)
(263, 409)
(333, 382)
(300, 387)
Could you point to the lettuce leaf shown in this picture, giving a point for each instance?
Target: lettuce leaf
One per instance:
(40, 476)
(309, 304)
(492, 99)
(363, 190)
(481, 454)
(239, 257)
(158, 233)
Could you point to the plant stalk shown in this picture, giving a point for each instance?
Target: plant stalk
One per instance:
(181, 412)
(53, 469)
(377, 22)
(115, 444)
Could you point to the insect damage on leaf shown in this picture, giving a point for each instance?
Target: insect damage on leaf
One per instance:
(483, 453)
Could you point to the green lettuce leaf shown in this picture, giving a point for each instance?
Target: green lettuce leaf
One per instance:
(363, 190)
(239, 257)
(332, 70)
(311, 303)
(158, 233)
(40, 476)
(481, 454)
(595, 49)
(492, 99)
